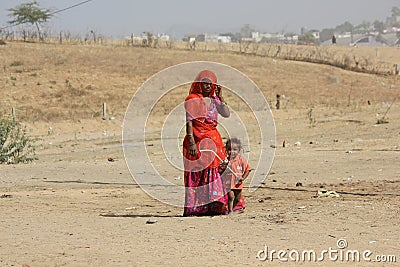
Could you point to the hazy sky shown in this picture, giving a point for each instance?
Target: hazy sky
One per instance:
(118, 18)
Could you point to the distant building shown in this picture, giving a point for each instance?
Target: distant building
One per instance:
(268, 37)
(315, 33)
(211, 37)
(163, 37)
(224, 39)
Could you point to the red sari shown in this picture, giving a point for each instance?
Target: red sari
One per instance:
(205, 192)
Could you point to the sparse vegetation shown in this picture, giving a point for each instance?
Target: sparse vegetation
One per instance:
(30, 13)
(85, 82)
(16, 63)
(15, 145)
(311, 117)
(383, 119)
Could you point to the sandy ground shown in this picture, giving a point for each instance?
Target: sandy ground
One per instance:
(79, 206)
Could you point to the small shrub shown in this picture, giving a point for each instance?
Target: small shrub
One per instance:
(310, 115)
(16, 63)
(15, 145)
(382, 121)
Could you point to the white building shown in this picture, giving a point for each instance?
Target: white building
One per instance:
(224, 39)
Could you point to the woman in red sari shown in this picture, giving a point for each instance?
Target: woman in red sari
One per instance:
(203, 150)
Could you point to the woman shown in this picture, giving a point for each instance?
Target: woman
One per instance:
(203, 150)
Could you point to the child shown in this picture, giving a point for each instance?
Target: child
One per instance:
(240, 168)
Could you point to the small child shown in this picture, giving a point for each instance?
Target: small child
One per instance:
(241, 169)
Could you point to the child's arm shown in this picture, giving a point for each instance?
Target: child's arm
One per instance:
(247, 170)
(246, 173)
(244, 176)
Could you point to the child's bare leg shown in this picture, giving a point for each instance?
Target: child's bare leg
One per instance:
(237, 196)
(231, 198)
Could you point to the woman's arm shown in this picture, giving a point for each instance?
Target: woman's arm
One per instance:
(222, 108)
(192, 143)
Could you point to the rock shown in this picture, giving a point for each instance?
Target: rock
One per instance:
(150, 221)
(285, 143)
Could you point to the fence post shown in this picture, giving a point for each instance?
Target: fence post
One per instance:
(104, 111)
(396, 69)
(278, 101)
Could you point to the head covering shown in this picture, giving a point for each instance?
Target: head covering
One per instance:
(202, 75)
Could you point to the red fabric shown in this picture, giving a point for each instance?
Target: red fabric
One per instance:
(241, 205)
(205, 132)
(205, 192)
(204, 74)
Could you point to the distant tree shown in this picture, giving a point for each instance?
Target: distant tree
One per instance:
(307, 38)
(326, 34)
(289, 34)
(245, 31)
(395, 17)
(362, 28)
(379, 26)
(265, 40)
(29, 13)
(395, 11)
(345, 27)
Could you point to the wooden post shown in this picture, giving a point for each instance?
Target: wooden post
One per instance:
(13, 112)
(396, 69)
(278, 101)
(60, 37)
(104, 111)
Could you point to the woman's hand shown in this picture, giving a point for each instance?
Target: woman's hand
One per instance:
(222, 107)
(218, 93)
(222, 166)
(193, 149)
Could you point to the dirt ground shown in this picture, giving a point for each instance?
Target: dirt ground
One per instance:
(78, 205)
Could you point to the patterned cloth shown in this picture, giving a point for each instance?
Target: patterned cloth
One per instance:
(205, 193)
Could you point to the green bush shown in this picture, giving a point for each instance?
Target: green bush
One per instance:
(15, 145)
